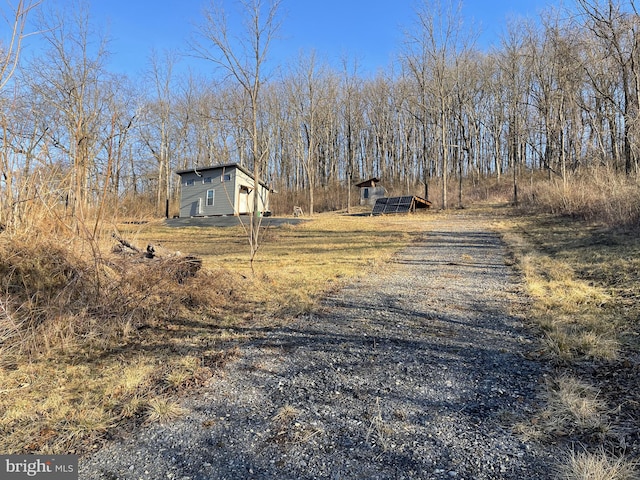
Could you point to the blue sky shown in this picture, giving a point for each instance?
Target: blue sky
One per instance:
(369, 30)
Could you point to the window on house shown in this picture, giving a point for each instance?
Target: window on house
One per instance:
(210, 197)
(226, 177)
(366, 193)
(207, 180)
(190, 183)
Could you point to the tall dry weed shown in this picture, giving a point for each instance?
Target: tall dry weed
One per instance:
(600, 196)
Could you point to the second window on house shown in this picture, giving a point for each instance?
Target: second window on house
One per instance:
(210, 197)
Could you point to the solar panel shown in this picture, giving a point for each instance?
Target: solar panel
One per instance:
(393, 205)
(379, 206)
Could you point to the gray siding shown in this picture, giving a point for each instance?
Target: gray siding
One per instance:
(369, 195)
(193, 201)
(233, 196)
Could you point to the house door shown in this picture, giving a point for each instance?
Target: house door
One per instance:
(243, 200)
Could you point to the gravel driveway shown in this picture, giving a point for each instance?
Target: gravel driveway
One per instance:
(418, 371)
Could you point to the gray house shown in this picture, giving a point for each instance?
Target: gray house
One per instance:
(227, 189)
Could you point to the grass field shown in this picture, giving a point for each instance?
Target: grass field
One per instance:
(69, 379)
(116, 342)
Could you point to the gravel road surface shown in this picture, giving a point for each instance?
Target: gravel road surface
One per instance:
(418, 371)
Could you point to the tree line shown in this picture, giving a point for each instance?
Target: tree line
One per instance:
(560, 94)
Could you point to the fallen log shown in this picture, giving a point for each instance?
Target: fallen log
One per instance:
(176, 264)
(123, 243)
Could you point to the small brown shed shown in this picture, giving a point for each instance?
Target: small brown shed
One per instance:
(370, 191)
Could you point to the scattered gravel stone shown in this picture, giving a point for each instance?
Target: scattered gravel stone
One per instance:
(416, 371)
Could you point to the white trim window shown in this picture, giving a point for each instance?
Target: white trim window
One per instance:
(210, 198)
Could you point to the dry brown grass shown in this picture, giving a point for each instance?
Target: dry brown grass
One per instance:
(286, 415)
(583, 281)
(91, 340)
(295, 264)
(162, 410)
(597, 195)
(574, 405)
(289, 428)
(578, 315)
(379, 430)
(597, 466)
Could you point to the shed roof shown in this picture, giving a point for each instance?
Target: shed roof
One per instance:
(212, 168)
(368, 183)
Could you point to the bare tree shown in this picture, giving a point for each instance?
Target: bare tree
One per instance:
(308, 96)
(351, 97)
(115, 141)
(469, 89)
(15, 18)
(73, 83)
(618, 34)
(432, 60)
(157, 129)
(243, 58)
(514, 77)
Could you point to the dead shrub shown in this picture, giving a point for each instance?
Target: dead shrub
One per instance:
(42, 285)
(52, 298)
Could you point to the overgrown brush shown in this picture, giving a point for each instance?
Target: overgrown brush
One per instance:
(52, 298)
(44, 286)
(93, 339)
(90, 340)
(601, 196)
